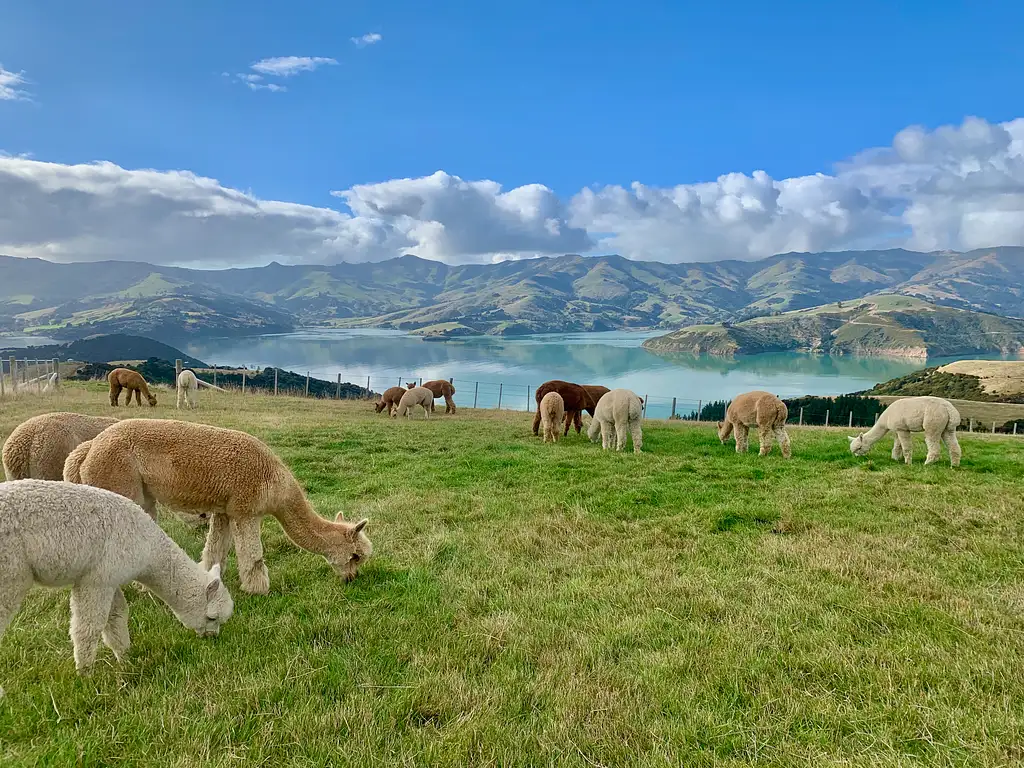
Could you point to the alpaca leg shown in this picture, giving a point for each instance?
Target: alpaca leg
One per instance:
(934, 444)
(577, 421)
(897, 450)
(138, 396)
(606, 435)
(907, 444)
(621, 433)
(249, 551)
(637, 433)
(115, 393)
(742, 433)
(782, 438)
(427, 411)
(536, 420)
(449, 404)
(568, 423)
(764, 440)
(218, 542)
(115, 633)
(181, 393)
(13, 589)
(953, 446)
(90, 610)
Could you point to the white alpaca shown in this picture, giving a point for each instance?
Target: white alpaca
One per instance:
(188, 389)
(937, 418)
(620, 410)
(420, 396)
(58, 534)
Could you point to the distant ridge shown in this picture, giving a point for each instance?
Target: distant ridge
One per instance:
(104, 348)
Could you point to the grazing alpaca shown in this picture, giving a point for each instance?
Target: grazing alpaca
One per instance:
(440, 388)
(575, 398)
(56, 534)
(37, 448)
(188, 389)
(389, 399)
(552, 413)
(230, 475)
(763, 410)
(132, 381)
(416, 396)
(621, 411)
(937, 418)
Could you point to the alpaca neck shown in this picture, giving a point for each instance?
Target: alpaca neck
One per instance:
(303, 525)
(874, 434)
(174, 577)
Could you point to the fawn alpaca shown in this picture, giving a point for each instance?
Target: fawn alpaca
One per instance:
(763, 410)
(552, 413)
(37, 448)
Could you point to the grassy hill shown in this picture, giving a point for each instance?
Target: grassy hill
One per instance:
(532, 604)
(875, 325)
(568, 293)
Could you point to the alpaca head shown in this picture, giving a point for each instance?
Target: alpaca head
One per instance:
(721, 432)
(594, 431)
(212, 609)
(152, 399)
(410, 384)
(379, 406)
(857, 447)
(348, 547)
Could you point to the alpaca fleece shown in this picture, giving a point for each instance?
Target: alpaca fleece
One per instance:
(231, 476)
(389, 399)
(57, 534)
(441, 388)
(757, 409)
(420, 396)
(132, 381)
(37, 448)
(619, 412)
(575, 398)
(188, 389)
(937, 418)
(552, 413)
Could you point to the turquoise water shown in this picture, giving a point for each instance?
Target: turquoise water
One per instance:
(510, 368)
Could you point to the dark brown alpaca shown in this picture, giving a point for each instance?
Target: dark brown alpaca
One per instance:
(440, 388)
(132, 381)
(389, 399)
(576, 398)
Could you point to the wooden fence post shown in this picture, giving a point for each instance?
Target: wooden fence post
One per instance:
(527, 397)
(673, 409)
(14, 374)
(643, 414)
(275, 380)
(826, 418)
(1015, 427)
(307, 384)
(215, 376)
(970, 427)
(851, 419)
(476, 391)
(368, 395)
(56, 369)
(338, 392)
(500, 386)
(801, 422)
(993, 427)
(243, 381)
(2, 379)
(177, 371)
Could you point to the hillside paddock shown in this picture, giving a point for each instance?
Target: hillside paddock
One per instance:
(534, 604)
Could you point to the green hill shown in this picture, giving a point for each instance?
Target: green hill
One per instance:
(875, 325)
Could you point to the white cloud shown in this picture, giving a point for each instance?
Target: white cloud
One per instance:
(11, 85)
(367, 39)
(956, 187)
(287, 66)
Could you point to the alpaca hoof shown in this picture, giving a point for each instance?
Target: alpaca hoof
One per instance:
(84, 671)
(257, 582)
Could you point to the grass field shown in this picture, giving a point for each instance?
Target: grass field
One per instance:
(534, 605)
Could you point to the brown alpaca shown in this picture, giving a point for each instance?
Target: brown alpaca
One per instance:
(389, 399)
(230, 475)
(756, 409)
(576, 399)
(37, 448)
(552, 413)
(126, 378)
(440, 388)
(420, 396)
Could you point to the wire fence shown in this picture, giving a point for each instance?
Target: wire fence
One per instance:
(850, 411)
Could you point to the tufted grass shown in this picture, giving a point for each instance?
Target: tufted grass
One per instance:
(538, 605)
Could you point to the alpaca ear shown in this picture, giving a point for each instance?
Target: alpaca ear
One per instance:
(215, 571)
(340, 517)
(211, 589)
(360, 525)
(851, 439)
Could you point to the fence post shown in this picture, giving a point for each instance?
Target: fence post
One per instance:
(673, 409)
(2, 380)
(527, 397)
(500, 386)
(993, 427)
(307, 384)
(421, 381)
(851, 419)
(801, 423)
(14, 374)
(700, 407)
(56, 369)
(368, 396)
(970, 427)
(275, 380)
(177, 371)
(476, 391)
(215, 376)
(24, 371)
(826, 417)
(643, 414)
(1015, 427)
(243, 381)
(452, 381)
(338, 392)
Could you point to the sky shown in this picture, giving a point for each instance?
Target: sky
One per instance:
(231, 133)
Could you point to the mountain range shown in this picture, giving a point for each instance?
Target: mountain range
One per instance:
(567, 293)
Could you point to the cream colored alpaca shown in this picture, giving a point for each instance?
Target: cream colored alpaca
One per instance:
(420, 396)
(188, 389)
(937, 418)
(552, 413)
(57, 534)
(621, 411)
(38, 447)
(230, 475)
(757, 409)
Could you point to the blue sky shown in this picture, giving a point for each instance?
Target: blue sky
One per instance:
(564, 94)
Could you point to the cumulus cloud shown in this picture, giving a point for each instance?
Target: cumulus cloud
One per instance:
(367, 39)
(12, 85)
(956, 187)
(287, 66)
